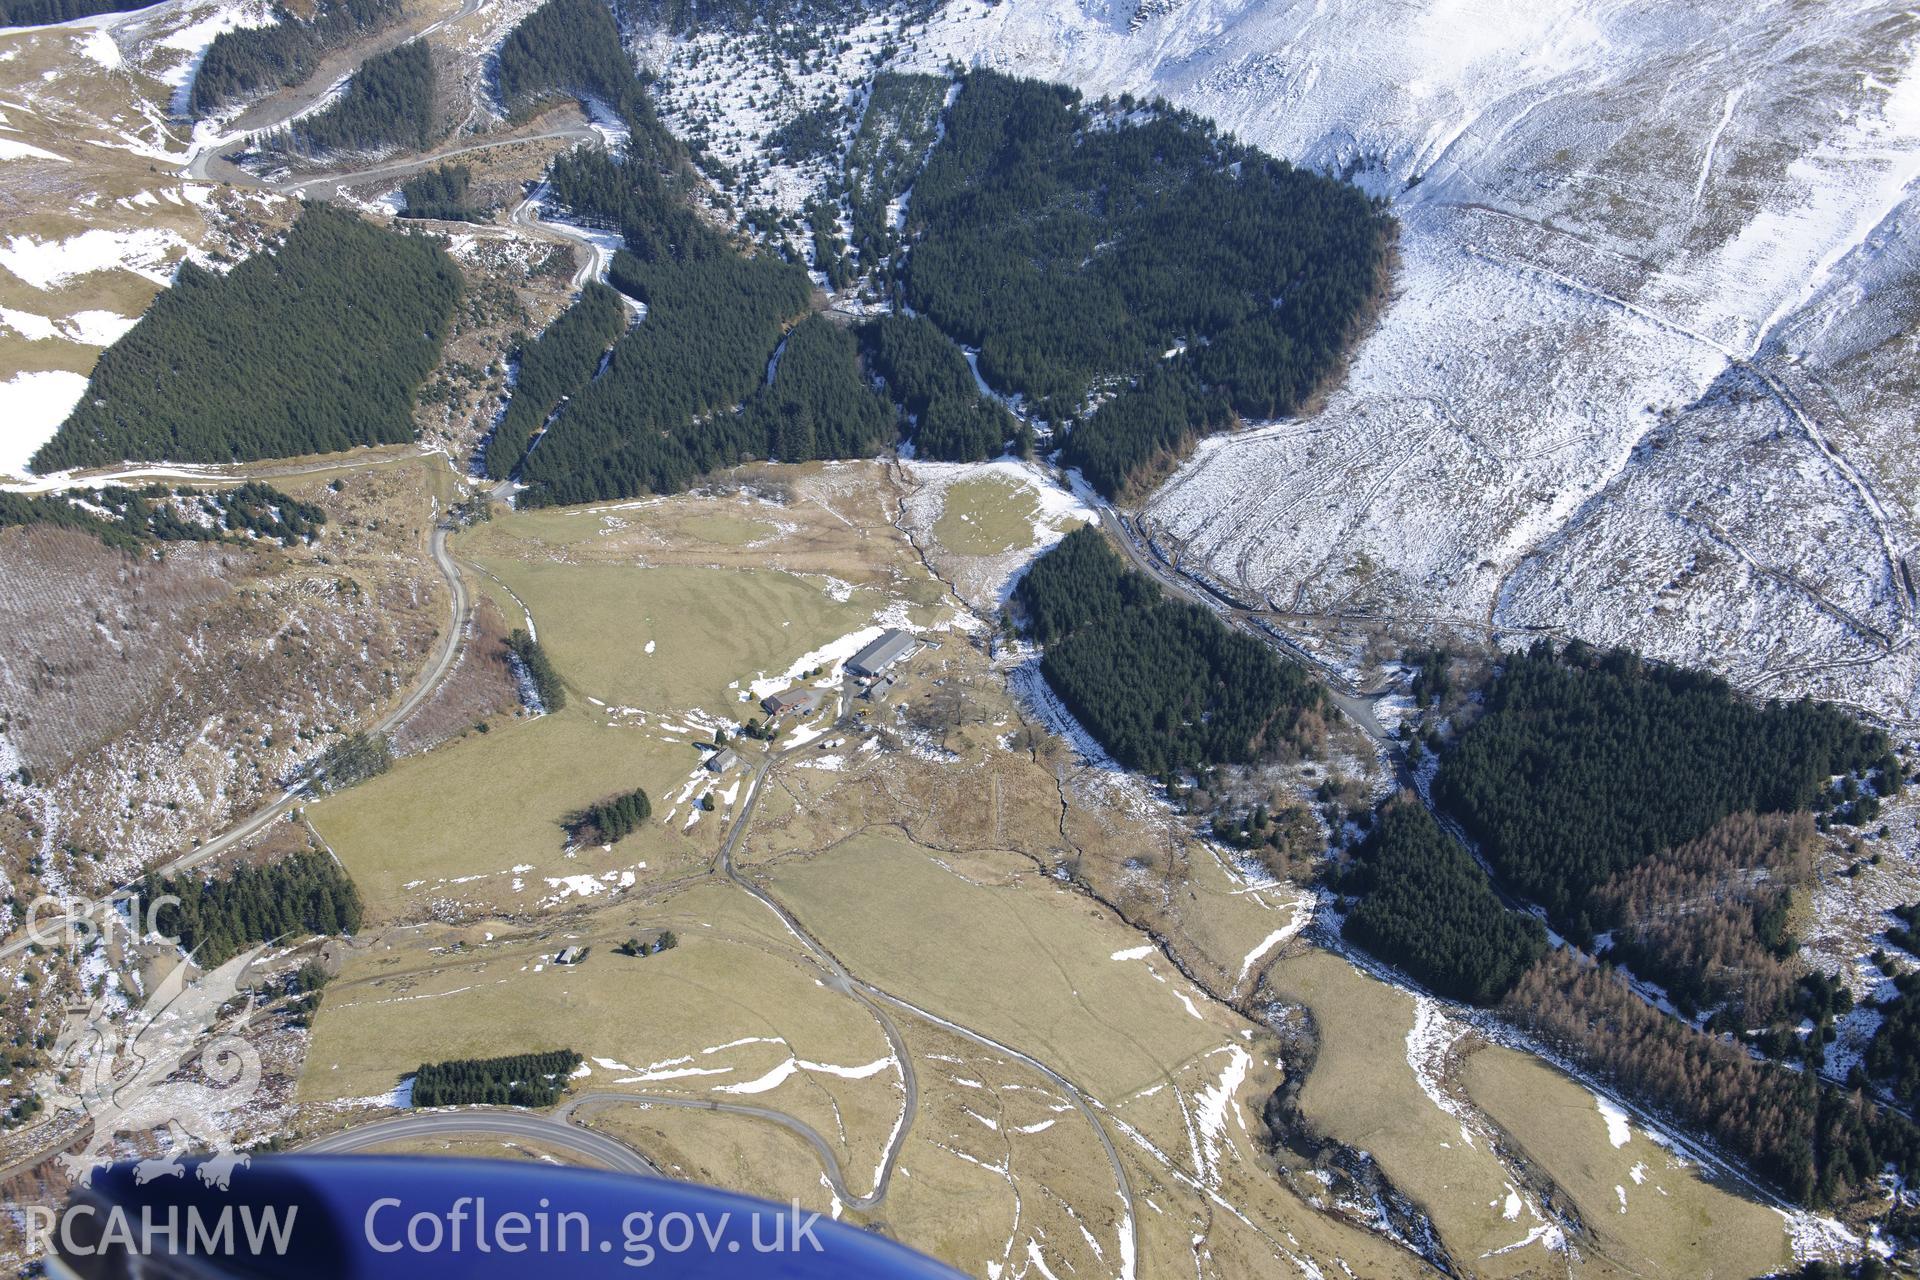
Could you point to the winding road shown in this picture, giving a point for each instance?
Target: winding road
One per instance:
(577, 132)
(528, 1125)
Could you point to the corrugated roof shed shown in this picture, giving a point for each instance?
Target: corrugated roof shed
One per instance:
(892, 645)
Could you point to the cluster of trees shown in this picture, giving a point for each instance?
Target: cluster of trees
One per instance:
(1707, 919)
(662, 414)
(552, 368)
(216, 919)
(609, 820)
(667, 941)
(1132, 438)
(1585, 764)
(442, 193)
(126, 518)
(59, 511)
(1893, 1057)
(354, 759)
(927, 374)
(35, 13)
(304, 988)
(533, 659)
(682, 17)
(253, 60)
(387, 103)
(830, 256)
(1163, 684)
(645, 197)
(813, 134)
(1427, 906)
(565, 48)
(1815, 1143)
(815, 403)
(518, 1080)
(1078, 248)
(899, 126)
(265, 512)
(668, 406)
(317, 346)
(1432, 681)
(1906, 934)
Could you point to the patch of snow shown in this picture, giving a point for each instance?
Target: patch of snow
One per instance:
(11, 149)
(32, 407)
(1618, 1130)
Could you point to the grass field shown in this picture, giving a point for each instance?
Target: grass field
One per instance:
(712, 630)
(933, 874)
(1006, 951)
(480, 816)
(730, 986)
(1362, 1092)
(987, 515)
(1648, 1212)
(981, 523)
(739, 1153)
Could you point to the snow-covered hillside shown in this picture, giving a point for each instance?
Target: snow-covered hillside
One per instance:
(1642, 377)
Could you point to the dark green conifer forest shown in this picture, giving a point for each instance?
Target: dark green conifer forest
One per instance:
(565, 48)
(1091, 250)
(1585, 763)
(1426, 907)
(928, 376)
(553, 367)
(441, 192)
(1163, 684)
(250, 61)
(387, 103)
(35, 13)
(317, 345)
(519, 1080)
(218, 918)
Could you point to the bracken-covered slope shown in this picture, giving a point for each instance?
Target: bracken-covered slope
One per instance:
(1643, 377)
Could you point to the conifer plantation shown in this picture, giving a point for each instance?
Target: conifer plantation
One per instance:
(815, 404)
(388, 103)
(317, 346)
(928, 376)
(1587, 763)
(442, 193)
(552, 368)
(520, 1080)
(248, 62)
(666, 409)
(1163, 684)
(1427, 907)
(564, 49)
(34, 13)
(1134, 250)
(218, 918)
